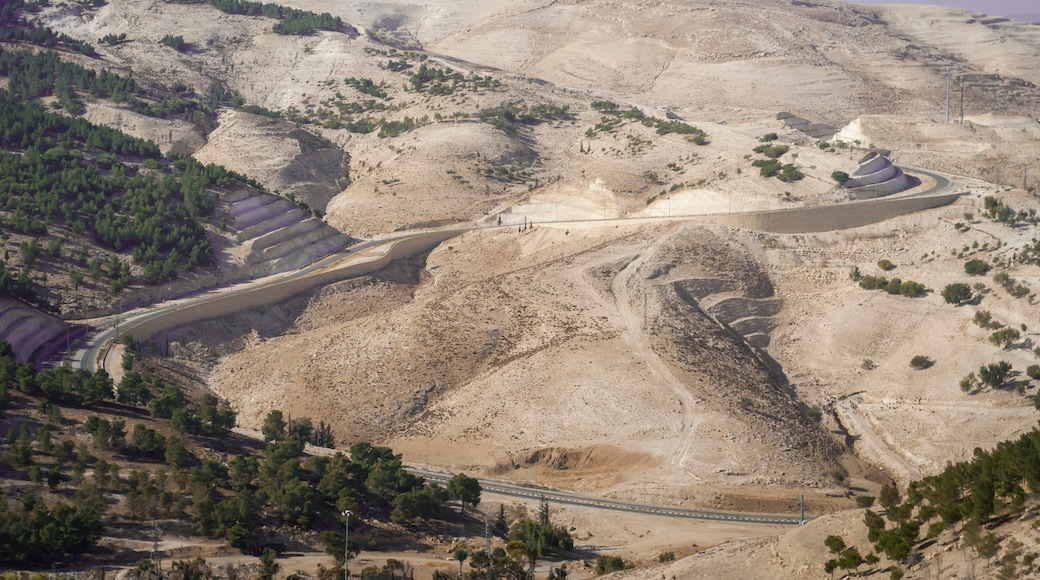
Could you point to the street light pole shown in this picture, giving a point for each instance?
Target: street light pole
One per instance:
(346, 543)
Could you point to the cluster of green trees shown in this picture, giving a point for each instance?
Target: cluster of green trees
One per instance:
(34, 533)
(366, 86)
(292, 20)
(971, 493)
(510, 116)
(998, 211)
(992, 375)
(71, 173)
(614, 117)
(21, 287)
(907, 288)
(175, 42)
(14, 27)
(43, 73)
(436, 81)
(61, 385)
(39, 74)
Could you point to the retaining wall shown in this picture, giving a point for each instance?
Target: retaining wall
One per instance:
(830, 217)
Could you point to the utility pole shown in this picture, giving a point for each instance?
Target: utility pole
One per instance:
(346, 543)
(801, 501)
(156, 561)
(947, 94)
(960, 80)
(487, 536)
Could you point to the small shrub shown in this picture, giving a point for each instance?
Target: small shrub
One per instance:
(865, 501)
(1005, 337)
(921, 362)
(911, 289)
(1034, 372)
(885, 264)
(768, 137)
(893, 286)
(854, 274)
(873, 282)
(983, 318)
(608, 564)
(1018, 291)
(1001, 278)
(956, 293)
(868, 364)
(789, 173)
(840, 176)
(666, 557)
(976, 267)
(175, 42)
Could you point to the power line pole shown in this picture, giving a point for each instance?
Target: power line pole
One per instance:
(947, 94)
(487, 536)
(960, 80)
(346, 543)
(156, 561)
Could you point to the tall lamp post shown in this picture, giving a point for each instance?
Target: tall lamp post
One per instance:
(346, 542)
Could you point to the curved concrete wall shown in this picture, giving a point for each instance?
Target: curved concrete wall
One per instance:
(872, 165)
(830, 217)
(29, 331)
(900, 183)
(884, 174)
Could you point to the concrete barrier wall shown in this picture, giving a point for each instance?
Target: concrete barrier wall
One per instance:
(873, 165)
(830, 217)
(268, 226)
(300, 241)
(262, 213)
(900, 183)
(222, 305)
(324, 247)
(287, 233)
(879, 176)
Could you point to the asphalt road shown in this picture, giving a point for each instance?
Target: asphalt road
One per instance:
(563, 497)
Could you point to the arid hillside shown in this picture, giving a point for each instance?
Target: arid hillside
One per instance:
(584, 335)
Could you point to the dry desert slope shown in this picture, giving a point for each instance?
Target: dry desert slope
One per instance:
(706, 365)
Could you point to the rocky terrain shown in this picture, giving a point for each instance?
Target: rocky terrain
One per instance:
(693, 364)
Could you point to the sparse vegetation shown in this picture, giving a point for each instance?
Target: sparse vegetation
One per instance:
(175, 42)
(921, 362)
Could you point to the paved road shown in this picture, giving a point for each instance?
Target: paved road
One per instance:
(110, 329)
(617, 505)
(563, 497)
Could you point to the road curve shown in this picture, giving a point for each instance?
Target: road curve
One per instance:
(594, 502)
(148, 321)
